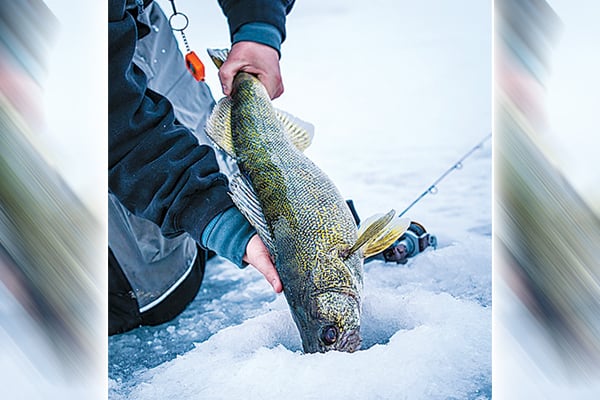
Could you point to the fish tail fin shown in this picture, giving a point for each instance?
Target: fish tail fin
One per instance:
(378, 232)
(218, 56)
(218, 129)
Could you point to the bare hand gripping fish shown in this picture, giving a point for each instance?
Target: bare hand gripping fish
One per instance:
(299, 214)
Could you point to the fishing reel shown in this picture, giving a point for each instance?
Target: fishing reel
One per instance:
(412, 242)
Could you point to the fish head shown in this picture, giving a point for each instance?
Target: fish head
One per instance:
(336, 323)
(330, 319)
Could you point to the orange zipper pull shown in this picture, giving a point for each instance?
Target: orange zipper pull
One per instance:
(195, 66)
(178, 22)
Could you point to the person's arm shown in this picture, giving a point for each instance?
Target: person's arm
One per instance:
(156, 167)
(257, 29)
(268, 12)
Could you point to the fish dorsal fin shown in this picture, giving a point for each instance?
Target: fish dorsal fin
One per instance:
(218, 126)
(298, 131)
(378, 232)
(247, 202)
(218, 56)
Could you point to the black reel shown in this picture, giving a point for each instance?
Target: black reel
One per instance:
(412, 242)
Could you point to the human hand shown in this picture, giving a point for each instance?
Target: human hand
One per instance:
(258, 256)
(254, 58)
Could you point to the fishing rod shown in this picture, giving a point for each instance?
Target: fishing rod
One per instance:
(416, 239)
(457, 165)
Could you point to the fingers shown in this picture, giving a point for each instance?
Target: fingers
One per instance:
(226, 74)
(267, 269)
(256, 59)
(275, 89)
(258, 256)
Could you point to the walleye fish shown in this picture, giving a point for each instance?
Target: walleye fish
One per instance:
(299, 214)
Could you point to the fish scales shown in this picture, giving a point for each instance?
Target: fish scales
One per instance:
(298, 200)
(306, 215)
(299, 214)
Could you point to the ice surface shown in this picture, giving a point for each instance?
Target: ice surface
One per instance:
(397, 91)
(420, 340)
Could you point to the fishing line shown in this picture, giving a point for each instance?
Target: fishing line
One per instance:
(433, 188)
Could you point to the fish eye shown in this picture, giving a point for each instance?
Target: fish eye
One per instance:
(329, 335)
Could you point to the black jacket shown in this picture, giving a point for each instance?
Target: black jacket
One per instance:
(156, 167)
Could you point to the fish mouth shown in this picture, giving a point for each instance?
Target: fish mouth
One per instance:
(349, 342)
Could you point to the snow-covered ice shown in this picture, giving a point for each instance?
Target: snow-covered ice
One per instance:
(398, 91)
(424, 337)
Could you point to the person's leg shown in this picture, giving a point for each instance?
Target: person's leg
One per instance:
(123, 311)
(159, 276)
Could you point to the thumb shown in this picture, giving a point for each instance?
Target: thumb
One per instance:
(258, 256)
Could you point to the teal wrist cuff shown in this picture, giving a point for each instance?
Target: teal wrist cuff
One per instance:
(259, 32)
(228, 235)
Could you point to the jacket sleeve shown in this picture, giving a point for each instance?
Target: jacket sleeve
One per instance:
(156, 167)
(271, 12)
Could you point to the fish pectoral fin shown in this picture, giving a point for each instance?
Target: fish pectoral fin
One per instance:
(218, 56)
(378, 232)
(218, 126)
(298, 131)
(247, 202)
(392, 232)
(370, 229)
